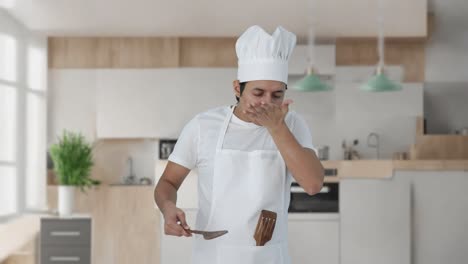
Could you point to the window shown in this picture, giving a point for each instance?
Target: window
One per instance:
(23, 93)
(8, 126)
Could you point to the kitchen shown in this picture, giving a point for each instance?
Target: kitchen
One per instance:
(396, 162)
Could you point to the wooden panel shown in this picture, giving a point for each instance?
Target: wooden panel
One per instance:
(410, 53)
(142, 52)
(386, 168)
(431, 165)
(440, 147)
(72, 52)
(126, 224)
(208, 52)
(117, 52)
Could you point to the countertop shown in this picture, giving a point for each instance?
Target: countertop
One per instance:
(386, 168)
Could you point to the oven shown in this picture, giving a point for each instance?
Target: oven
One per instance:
(326, 201)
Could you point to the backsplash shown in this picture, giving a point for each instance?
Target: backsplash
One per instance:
(111, 163)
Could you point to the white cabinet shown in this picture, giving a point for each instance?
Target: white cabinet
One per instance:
(314, 238)
(157, 103)
(440, 214)
(71, 102)
(375, 221)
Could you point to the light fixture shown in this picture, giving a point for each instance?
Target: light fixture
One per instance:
(311, 82)
(379, 82)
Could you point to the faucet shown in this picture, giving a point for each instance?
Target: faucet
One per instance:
(375, 144)
(130, 179)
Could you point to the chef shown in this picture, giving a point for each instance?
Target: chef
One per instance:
(247, 156)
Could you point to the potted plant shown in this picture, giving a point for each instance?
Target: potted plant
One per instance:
(73, 160)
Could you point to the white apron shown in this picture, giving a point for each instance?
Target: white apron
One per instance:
(244, 183)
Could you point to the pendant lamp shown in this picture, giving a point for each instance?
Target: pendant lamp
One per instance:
(311, 82)
(380, 82)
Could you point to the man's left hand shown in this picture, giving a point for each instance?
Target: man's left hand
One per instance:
(268, 115)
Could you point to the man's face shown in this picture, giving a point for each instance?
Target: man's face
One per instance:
(256, 92)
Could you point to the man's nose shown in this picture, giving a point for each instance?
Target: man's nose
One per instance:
(268, 99)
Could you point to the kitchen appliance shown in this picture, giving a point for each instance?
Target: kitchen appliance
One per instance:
(326, 201)
(323, 152)
(166, 146)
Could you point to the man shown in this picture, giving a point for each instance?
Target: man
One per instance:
(247, 156)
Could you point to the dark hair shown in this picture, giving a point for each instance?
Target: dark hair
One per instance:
(242, 87)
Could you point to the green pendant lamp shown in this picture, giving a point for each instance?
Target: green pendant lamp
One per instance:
(380, 82)
(311, 83)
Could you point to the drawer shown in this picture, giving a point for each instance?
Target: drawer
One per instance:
(65, 232)
(65, 255)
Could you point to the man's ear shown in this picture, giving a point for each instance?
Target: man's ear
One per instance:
(236, 87)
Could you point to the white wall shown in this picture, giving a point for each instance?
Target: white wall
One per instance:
(445, 107)
(447, 50)
(446, 88)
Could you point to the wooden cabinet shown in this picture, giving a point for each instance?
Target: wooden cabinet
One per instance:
(314, 238)
(157, 103)
(375, 221)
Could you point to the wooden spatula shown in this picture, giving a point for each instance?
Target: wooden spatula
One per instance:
(265, 227)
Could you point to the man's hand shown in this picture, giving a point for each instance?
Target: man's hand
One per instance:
(268, 115)
(174, 219)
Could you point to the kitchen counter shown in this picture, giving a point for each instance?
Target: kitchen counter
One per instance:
(386, 168)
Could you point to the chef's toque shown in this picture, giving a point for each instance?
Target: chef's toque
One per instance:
(262, 56)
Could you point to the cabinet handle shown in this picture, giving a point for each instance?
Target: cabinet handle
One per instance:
(297, 189)
(64, 258)
(65, 233)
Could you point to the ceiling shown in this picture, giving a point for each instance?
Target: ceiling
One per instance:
(351, 18)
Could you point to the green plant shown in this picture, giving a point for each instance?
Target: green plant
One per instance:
(73, 160)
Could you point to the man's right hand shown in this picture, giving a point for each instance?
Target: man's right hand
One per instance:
(174, 219)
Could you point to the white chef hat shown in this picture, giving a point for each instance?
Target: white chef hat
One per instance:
(262, 56)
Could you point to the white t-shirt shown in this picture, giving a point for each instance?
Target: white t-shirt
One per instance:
(196, 146)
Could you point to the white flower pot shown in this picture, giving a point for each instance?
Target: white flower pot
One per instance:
(66, 199)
